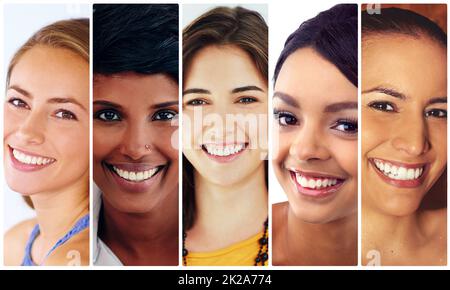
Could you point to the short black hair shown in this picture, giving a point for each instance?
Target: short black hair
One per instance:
(333, 34)
(140, 38)
(401, 21)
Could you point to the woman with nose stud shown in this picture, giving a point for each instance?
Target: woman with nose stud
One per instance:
(224, 132)
(404, 139)
(316, 142)
(46, 146)
(135, 107)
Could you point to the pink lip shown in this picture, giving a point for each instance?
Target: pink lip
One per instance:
(225, 159)
(317, 193)
(401, 183)
(25, 167)
(134, 187)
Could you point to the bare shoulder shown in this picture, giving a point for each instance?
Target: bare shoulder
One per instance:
(15, 240)
(75, 252)
(279, 216)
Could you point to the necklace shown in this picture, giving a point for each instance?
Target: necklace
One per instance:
(263, 251)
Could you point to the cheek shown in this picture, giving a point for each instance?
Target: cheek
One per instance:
(372, 129)
(281, 144)
(104, 141)
(11, 122)
(438, 140)
(167, 142)
(346, 155)
(75, 143)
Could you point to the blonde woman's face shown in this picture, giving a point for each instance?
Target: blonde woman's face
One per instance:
(404, 111)
(46, 115)
(225, 115)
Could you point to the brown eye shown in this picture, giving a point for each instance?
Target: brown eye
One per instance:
(66, 115)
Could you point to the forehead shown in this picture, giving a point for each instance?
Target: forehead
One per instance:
(414, 65)
(309, 77)
(52, 72)
(131, 88)
(226, 65)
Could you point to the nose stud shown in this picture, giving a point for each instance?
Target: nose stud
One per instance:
(148, 147)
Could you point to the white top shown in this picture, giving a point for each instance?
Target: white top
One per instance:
(103, 255)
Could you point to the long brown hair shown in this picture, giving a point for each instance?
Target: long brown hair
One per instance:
(237, 26)
(72, 34)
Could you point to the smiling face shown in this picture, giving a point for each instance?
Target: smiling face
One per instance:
(135, 140)
(225, 115)
(315, 127)
(404, 111)
(46, 134)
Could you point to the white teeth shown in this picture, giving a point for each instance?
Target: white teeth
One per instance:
(221, 150)
(314, 183)
(398, 172)
(136, 176)
(31, 160)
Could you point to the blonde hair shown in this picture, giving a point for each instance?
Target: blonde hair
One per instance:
(72, 34)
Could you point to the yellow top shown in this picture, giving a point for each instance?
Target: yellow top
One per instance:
(240, 254)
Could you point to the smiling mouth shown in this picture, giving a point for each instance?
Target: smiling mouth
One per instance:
(396, 171)
(29, 159)
(224, 150)
(134, 175)
(316, 185)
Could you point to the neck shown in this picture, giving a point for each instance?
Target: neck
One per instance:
(138, 232)
(398, 228)
(234, 206)
(58, 211)
(329, 243)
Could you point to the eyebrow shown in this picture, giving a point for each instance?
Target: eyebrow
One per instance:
(386, 91)
(196, 91)
(246, 88)
(441, 100)
(288, 99)
(233, 91)
(341, 106)
(65, 101)
(58, 100)
(107, 103)
(20, 90)
(164, 105)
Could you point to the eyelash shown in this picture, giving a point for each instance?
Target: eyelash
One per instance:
(281, 116)
(158, 114)
(109, 115)
(346, 122)
(243, 100)
(60, 114)
(382, 106)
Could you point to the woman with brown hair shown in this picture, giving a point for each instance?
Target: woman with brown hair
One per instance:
(225, 105)
(46, 144)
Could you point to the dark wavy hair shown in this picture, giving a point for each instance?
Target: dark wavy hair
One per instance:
(140, 38)
(333, 34)
(237, 26)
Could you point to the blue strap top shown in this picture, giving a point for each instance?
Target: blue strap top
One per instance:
(81, 224)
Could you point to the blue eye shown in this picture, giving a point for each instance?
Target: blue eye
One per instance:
(346, 126)
(108, 116)
(383, 106)
(285, 118)
(16, 102)
(66, 115)
(164, 115)
(436, 113)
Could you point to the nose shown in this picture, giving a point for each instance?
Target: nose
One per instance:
(135, 142)
(412, 137)
(32, 130)
(308, 145)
